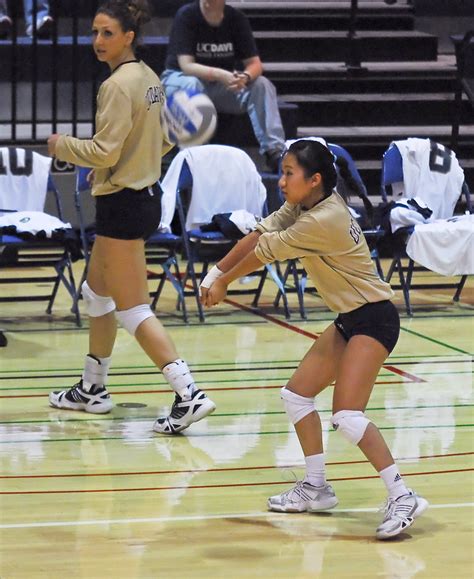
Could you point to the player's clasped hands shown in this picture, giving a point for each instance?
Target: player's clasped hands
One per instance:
(212, 289)
(213, 295)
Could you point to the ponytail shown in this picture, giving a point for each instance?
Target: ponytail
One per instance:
(352, 185)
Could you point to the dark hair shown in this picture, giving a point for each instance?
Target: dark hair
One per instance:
(131, 14)
(314, 157)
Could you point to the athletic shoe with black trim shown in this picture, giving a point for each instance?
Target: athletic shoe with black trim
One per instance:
(97, 402)
(400, 513)
(184, 413)
(304, 497)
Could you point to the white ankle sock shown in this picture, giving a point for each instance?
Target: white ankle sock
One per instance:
(315, 470)
(179, 377)
(95, 372)
(393, 481)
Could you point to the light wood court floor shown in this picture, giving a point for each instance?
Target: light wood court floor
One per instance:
(96, 497)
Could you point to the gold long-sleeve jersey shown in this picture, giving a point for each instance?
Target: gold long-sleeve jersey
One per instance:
(129, 143)
(331, 247)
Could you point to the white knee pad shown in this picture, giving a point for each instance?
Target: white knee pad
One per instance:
(96, 306)
(132, 318)
(296, 406)
(351, 424)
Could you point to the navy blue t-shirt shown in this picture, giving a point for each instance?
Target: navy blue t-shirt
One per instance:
(223, 46)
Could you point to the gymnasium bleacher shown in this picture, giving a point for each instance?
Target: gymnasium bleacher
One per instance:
(404, 87)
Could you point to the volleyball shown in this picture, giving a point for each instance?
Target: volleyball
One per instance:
(189, 118)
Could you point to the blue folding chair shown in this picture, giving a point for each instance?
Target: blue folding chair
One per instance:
(160, 249)
(207, 247)
(392, 172)
(35, 251)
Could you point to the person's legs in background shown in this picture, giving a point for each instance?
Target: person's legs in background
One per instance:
(259, 101)
(262, 107)
(5, 20)
(174, 80)
(44, 22)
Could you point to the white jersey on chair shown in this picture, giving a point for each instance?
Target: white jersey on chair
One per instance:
(23, 179)
(431, 172)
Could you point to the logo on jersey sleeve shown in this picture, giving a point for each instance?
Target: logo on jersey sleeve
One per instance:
(155, 94)
(355, 231)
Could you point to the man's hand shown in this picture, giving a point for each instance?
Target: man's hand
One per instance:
(231, 80)
(239, 81)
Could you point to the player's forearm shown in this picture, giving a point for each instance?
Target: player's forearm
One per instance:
(240, 250)
(246, 265)
(241, 259)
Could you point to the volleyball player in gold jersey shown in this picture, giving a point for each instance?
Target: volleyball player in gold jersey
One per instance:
(316, 227)
(125, 155)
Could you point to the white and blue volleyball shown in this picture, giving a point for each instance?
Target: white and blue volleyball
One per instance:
(189, 118)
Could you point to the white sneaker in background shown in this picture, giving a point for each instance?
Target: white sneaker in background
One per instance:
(44, 27)
(304, 497)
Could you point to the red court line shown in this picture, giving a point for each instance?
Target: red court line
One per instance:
(216, 486)
(272, 319)
(395, 370)
(311, 335)
(226, 469)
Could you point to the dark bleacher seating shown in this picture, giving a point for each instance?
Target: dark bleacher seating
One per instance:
(407, 89)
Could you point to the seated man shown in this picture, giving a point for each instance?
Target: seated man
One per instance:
(212, 49)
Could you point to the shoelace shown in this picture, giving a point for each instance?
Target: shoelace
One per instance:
(297, 490)
(178, 412)
(392, 508)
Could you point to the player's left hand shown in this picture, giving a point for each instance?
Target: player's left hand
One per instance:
(216, 293)
(53, 139)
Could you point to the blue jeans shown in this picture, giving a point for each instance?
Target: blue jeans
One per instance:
(259, 101)
(42, 10)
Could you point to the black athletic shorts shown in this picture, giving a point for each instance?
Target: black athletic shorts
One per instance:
(379, 320)
(129, 214)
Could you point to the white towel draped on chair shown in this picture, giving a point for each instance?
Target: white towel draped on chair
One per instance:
(445, 246)
(217, 187)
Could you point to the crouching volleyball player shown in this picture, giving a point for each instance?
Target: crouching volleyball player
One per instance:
(125, 154)
(315, 226)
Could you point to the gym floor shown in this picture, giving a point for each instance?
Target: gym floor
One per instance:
(92, 497)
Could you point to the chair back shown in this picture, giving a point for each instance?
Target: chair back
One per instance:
(392, 168)
(424, 170)
(339, 151)
(82, 186)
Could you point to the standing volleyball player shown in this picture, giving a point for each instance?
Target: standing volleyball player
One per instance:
(315, 226)
(125, 154)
